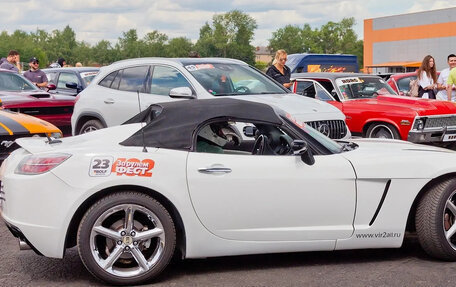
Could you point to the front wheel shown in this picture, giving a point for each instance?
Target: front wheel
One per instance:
(435, 220)
(383, 131)
(126, 238)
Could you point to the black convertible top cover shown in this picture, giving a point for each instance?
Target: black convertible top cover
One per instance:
(176, 122)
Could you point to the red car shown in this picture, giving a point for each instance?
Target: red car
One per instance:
(20, 95)
(400, 83)
(373, 109)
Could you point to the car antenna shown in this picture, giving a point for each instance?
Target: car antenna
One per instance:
(142, 129)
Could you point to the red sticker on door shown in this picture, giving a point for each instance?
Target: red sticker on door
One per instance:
(133, 167)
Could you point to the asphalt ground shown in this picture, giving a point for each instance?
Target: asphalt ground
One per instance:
(407, 266)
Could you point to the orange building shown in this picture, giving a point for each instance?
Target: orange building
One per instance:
(399, 43)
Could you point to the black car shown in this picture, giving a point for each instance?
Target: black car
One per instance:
(70, 81)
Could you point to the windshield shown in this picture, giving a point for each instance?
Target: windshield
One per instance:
(363, 87)
(87, 77)
(222, 79)
(15, 82)
(330, 144)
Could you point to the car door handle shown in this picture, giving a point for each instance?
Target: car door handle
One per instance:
(214, 170)
(109, 101)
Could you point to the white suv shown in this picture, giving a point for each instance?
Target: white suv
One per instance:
(124, 88)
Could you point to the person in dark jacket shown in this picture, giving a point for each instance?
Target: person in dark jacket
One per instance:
(61, 62)
(279, 71)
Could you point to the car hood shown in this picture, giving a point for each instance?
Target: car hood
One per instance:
(302, 108)
(13, 98)
(384, 158)
(421, 106)
(104, 138)
(22, 124)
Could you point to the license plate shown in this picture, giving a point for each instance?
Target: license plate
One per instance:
(449, 137)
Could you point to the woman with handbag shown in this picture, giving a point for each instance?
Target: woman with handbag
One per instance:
(427, 77)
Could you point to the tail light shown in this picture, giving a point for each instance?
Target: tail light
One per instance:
(38, 164)
(77, 98)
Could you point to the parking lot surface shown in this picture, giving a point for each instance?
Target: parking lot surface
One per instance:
(407, 266)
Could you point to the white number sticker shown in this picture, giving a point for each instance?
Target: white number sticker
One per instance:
(101, 166)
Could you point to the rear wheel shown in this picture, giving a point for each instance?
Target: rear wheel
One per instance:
(90, 126)
(382, 130)
(435, 220)
(126, 238)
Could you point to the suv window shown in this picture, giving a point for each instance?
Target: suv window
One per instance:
(65, 78)
(166, 78)
(134, 79)
(106, 82)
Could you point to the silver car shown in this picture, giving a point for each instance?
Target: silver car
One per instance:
(123, 89)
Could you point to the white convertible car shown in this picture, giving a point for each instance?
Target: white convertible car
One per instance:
(222, 177)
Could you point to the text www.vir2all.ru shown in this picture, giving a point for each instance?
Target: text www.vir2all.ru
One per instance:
(379, 235)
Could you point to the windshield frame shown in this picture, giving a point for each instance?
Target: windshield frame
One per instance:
(213, 75)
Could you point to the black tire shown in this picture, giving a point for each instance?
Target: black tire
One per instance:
(90, 126)
(382, 130)
(435, 217)
(126, 252)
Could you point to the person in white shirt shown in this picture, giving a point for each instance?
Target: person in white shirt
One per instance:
(427, 77)
(442, 81)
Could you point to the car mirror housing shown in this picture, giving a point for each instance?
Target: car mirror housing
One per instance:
(249, 131)
(51, 87)
(181, 92)
(300, 148)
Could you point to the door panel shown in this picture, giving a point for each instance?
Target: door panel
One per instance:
(255, 197)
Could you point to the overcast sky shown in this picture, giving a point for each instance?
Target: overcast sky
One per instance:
(95, 20)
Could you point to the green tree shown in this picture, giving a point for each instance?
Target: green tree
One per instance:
(179, 47)
(103, 53)
(206, 42)
(154, 44)
(229, 36)
(129, 45)
(331, 38)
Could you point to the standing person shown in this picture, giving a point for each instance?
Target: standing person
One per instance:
(279, 71)
(35, 75)
(427, 77)
(442, 81)
(13, 62)
(451, 82)
(61, 62)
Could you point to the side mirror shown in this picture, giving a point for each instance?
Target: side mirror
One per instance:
(181, 92)
(300, 148)
(51, 87)
(249, 131)
(71, 85)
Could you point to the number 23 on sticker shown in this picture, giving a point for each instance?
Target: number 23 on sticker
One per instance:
(101, 166)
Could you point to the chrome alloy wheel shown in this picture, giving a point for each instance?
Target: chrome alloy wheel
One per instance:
(127, 240)
(89, 129)
(449, 216)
